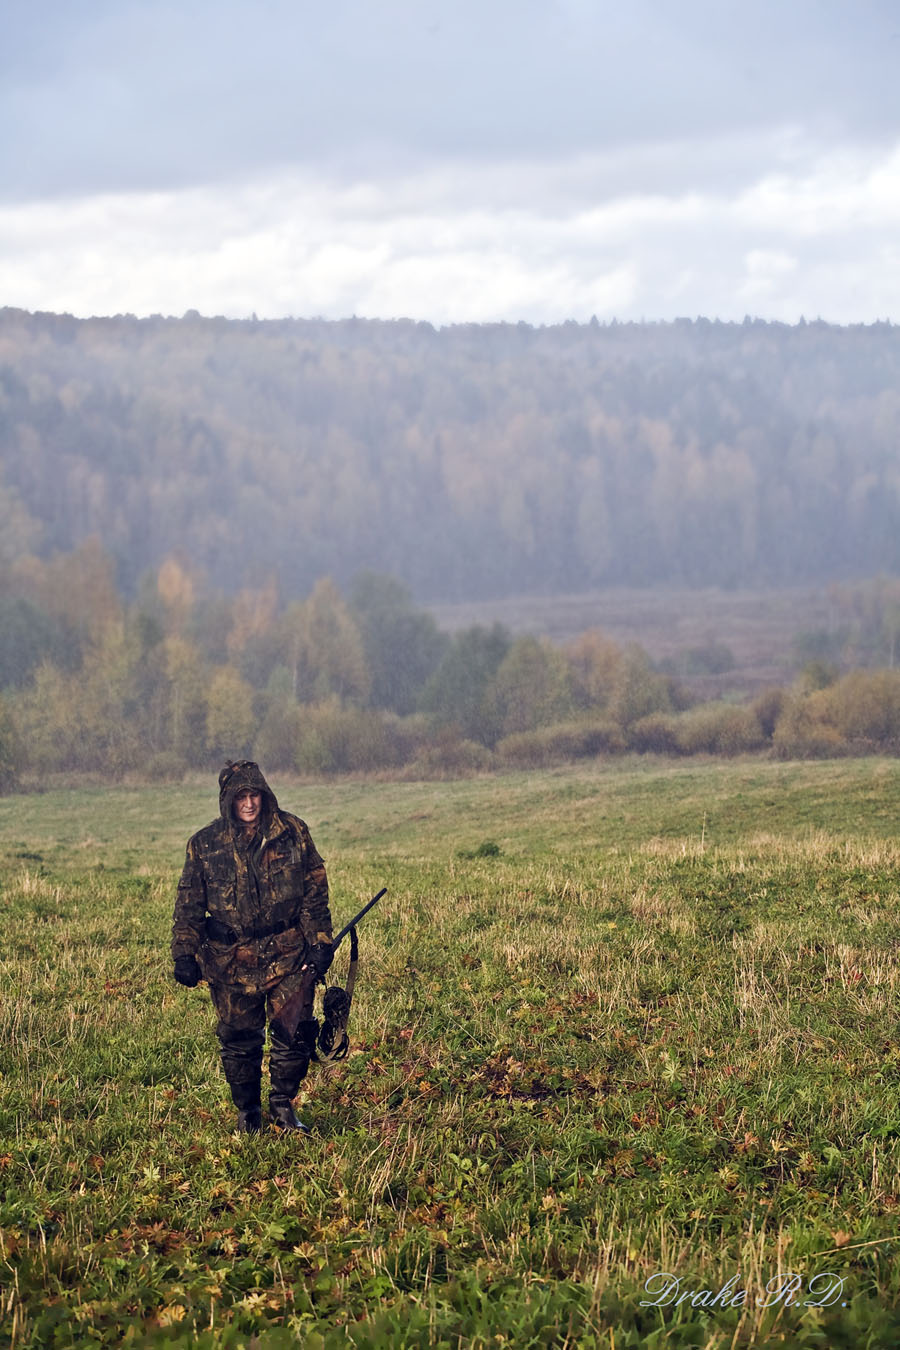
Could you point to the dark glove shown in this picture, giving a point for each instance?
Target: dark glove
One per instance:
(187, 972)
(321, 957)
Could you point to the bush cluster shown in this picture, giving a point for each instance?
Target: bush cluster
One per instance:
(179, 678)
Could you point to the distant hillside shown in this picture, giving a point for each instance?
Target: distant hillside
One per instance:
(471, 462)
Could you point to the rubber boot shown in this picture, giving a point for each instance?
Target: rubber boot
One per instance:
(283, 1115)
(247, 1098)
(288, 1065)
(242, 1065)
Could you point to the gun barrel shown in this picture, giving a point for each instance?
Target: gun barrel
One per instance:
(356, 918)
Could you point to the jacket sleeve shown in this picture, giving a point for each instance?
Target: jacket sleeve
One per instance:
(188, 929)
(316, 914)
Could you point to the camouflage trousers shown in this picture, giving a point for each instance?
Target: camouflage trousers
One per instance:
(241, 1033)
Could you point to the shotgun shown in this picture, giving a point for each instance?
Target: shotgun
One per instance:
(331, 1043)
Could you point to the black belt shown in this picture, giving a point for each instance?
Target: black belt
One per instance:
(220, 932)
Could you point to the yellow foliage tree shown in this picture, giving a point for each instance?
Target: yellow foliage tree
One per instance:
(252, 615)
(532, 687)
(324, 647)
(597, 665)
(230, 716)
(79, 587)
(47, 720)
(176, 590)
(186, 711)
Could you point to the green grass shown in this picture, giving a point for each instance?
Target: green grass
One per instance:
(610, 1021)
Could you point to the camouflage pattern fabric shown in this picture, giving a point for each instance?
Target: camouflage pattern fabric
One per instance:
(273, 880)
(245, 1011)
(240, 1030)
(248, 907)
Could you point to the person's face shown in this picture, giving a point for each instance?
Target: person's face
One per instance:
(247, 806)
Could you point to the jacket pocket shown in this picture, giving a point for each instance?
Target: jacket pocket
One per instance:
(287, 875)
(217, 961)
(290, 940)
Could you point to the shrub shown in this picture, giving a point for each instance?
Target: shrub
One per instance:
(865, 706)
(860, 712)
(719, 729)
(488, 848)
(711, 729)
(406, 737)
(332, 738)
(568, 740)
(450, 756)
(803, 733)
(657, 733)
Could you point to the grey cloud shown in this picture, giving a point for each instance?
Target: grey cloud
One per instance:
(152, 95)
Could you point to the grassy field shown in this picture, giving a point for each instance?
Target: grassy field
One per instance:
(611, 1023)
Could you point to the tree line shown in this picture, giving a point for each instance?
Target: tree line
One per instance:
(468, 462)
(183, 675)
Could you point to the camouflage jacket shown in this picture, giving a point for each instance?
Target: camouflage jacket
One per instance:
(266, 898)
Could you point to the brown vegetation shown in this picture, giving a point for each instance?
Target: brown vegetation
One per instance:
(183, 676)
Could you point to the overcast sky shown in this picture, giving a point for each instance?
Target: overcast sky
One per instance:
(450, 161)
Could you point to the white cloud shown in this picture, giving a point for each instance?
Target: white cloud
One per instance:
(844, 191)
(766, 274)
(539, 241)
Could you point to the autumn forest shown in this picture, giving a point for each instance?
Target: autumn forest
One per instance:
(471, 461)
(222, 536)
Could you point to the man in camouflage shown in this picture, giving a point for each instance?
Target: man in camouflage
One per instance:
(251, 918)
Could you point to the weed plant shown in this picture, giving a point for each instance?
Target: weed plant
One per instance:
(609, 1023)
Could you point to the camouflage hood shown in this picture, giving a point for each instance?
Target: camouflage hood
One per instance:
(241, 777)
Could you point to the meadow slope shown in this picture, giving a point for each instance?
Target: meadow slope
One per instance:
(611, 1021)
